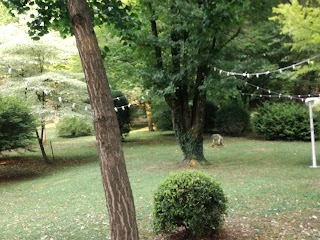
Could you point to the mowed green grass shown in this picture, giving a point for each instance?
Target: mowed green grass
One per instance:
(272, 192)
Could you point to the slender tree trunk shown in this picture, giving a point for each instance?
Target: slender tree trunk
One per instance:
(113, 169)
(149, 116)
(43, 152)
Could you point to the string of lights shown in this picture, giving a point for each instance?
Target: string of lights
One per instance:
(267, 72)
(60, 100)
(221, 72)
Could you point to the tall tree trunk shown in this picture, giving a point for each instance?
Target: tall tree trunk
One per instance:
(43, 152)
(188, 131)
(113, 169)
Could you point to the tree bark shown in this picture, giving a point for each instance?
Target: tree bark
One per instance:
(115, 179)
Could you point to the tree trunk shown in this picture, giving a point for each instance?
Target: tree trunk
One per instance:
(113, 169)
(149, 116)
(188, 132)
(43, 152)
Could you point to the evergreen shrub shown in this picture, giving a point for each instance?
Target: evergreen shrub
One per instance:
(73, 126)
(192, 200)
(233, 119)
(284, 121)
(17, 125)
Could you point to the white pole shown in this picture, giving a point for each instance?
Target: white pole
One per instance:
(314, 160)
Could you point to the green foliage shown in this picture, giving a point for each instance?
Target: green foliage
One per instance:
(283, 121)
(233, 119)
(162, 116)
(74, 127)
(54, 15)
(16, 124)
(301, 23)
(209, 116)
(5, 17)
(192, 200)
(123, 112)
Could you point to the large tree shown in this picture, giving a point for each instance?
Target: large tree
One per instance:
(183, 41)
(114, 174)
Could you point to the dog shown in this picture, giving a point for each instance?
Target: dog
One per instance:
(217, 140)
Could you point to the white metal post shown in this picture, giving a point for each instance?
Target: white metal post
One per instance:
(314, 159)
(309, 102)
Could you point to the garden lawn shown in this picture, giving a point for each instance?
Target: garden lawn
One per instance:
(272, 192)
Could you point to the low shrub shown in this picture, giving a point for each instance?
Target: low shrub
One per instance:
(233, 119)
(284, 121)
(17, 125)
(74, 127)
(192, 200)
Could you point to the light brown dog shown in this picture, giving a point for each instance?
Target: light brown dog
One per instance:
(217, 140)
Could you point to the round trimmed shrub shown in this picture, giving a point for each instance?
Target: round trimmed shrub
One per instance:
(192, 200)
(17, 125)
(74, 127)
(284, 121)
(233, 119)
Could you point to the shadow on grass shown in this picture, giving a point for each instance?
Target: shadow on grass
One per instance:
(228, 233)
(21, 168)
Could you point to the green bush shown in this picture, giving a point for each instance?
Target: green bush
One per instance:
(162, 116)
(17, 125)
(189, 199)
(123, 114)
(233, 119)
(74, 127)
(284, 121)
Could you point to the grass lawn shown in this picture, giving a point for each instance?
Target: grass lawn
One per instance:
(272, 192)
